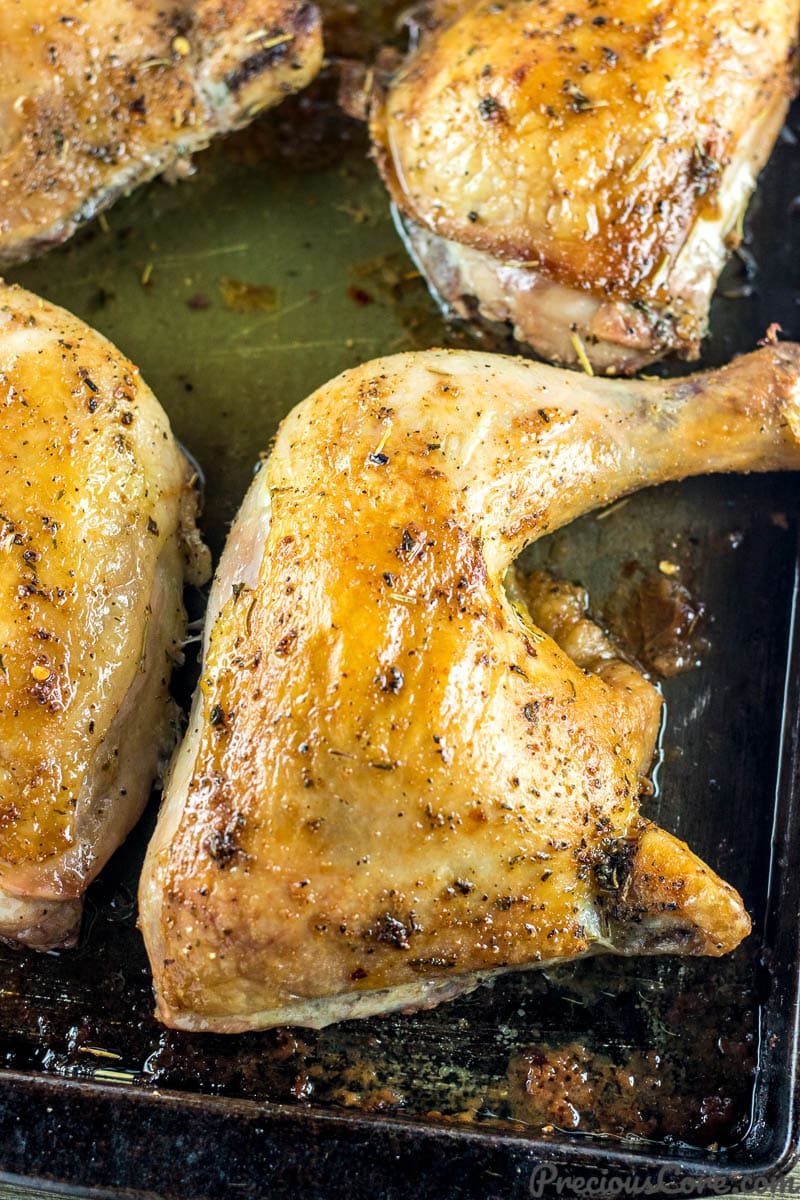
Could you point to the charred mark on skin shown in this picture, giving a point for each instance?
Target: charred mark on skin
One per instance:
(222, 846)
(255, 64)
(393, 931)
(286, 644)
(492, 110)
(614, 868)
(274, 50)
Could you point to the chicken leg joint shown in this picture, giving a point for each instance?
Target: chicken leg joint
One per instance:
(401, 776)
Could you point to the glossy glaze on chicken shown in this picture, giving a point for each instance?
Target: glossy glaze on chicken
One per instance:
(97, 97)
(97, 533)
(580, 171)
(404, 771)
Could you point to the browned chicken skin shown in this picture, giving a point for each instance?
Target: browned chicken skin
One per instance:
(397, 779)
(580, 170)
(97, 534)
(98, 96)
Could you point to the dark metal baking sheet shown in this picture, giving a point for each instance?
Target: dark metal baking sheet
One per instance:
(94, 1094)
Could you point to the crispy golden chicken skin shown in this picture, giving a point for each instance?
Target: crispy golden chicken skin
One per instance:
(402, 776)
(580, 170)
(97, 535)
(98, 96)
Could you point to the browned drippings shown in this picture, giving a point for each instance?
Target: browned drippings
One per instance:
(638, 1094)
(660, 623)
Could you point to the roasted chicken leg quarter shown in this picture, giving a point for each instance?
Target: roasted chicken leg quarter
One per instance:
(405, 771)
(580, 169)
(98, 97)
(97, 533)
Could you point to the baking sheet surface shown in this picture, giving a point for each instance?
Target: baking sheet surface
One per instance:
(238, 292)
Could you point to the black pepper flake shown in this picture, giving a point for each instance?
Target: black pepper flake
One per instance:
(90, 383)
(217, 715)
(491, 109)
(390, 680)
(580, 101)
(152, 527)
(378, 459)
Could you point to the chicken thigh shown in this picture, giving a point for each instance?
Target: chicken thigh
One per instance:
(396, 780)
(97, 532)
(99, 97)
(581, 170)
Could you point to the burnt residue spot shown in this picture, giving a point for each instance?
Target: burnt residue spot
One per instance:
(641, 1090)
(222, 846)
(360, 296)
(390, 680)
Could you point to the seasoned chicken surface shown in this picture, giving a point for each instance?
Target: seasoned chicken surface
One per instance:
(100, 95)
(97, 534)
(580, 170)
(396, 780)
